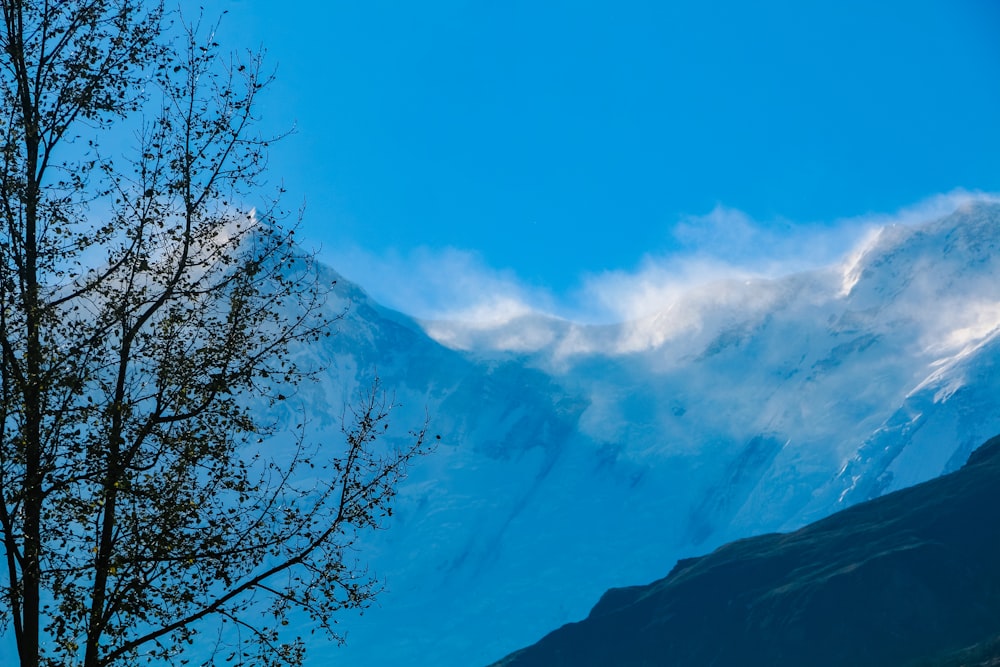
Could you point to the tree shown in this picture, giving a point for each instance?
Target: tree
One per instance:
(145, 312)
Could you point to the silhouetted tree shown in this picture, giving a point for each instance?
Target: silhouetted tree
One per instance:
(143, 312)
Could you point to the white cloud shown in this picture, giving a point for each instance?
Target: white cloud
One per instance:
(654, 287)
(726, 245)
(436, 284)
(928, 209)
(715, 252)
(471, 303)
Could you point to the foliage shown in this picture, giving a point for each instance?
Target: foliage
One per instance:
(145, 311)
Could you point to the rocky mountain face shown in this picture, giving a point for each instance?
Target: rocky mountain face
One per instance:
(911, 578)
(579, 458)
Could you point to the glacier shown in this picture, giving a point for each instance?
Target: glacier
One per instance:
(575, 458)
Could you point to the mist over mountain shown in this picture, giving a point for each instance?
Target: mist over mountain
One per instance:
(577, 458)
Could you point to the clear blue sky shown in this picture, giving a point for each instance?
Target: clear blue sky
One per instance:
(545, 141)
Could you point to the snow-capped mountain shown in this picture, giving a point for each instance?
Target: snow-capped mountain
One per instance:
(578, 458)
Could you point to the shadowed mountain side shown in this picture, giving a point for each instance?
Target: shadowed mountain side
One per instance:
(911, 578)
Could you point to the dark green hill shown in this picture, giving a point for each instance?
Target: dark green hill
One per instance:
(912, 578)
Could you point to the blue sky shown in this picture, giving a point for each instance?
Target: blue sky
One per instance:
(449, 148)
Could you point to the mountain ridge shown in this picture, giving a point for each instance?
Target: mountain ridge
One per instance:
(909, 578)
(765, 404)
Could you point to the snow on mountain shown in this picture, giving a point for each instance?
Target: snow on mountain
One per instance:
(578, 458)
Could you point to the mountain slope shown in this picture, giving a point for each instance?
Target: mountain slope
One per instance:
(909, 578)
(578, 458)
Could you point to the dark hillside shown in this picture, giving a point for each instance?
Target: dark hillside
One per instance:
(912, 578)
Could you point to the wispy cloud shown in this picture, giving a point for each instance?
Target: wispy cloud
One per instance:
(712, 255)
(712, 252)
(727, 245)
(446, 283)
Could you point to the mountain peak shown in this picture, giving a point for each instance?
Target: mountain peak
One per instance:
(593, 457)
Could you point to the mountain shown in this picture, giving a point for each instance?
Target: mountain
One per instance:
(579, 458)
(911, 578)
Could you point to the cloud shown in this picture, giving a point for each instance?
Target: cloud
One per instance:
(711, 253)
(440, 284)
(727, 246)
(928, 209)
(668, 293)
(653, 287)
(731, 236)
